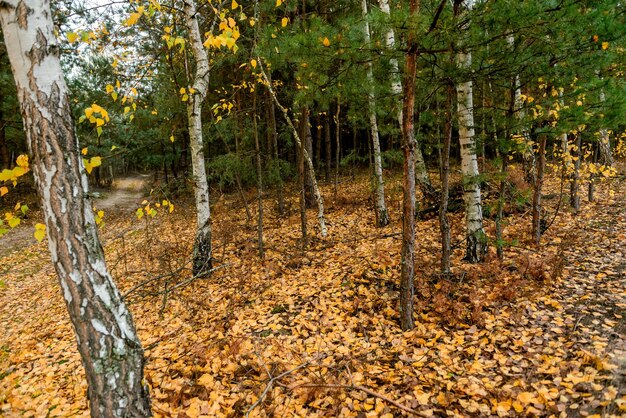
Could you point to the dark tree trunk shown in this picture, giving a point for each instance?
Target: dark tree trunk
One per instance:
(575, 185)
(107, 340)
(407, 273)
(307, 140)
(444, 222)
(5, 161)
(337, 145)
(537, 229)
(271, 127)
(328, 146)
(259, 173)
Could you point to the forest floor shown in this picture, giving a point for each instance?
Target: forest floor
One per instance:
(315, 332)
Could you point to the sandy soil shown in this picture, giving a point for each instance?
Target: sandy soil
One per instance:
(125, 195)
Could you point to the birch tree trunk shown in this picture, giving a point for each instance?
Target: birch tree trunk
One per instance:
(605, 145)
(202, 249)
(107, 340)
(382, 216)
(421, 172)
(476, 238)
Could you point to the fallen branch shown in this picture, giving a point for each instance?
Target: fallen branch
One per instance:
(273, 379)
(362, 389)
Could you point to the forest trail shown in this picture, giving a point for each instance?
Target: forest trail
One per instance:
(125, 195)
(552, 348)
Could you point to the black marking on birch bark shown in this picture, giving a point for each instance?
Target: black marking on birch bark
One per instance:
(21, 14)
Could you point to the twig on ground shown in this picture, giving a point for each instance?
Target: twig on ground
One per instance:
(362, 389)
(273, 379)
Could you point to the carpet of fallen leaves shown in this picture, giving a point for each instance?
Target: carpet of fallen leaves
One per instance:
(315, 333)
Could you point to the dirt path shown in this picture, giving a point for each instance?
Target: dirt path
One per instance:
(125, 195)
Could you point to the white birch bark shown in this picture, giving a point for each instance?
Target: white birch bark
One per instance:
(421, 173)
(605, 145)
(202, 250)
(107, 340)
(476, 238)
(382, 216)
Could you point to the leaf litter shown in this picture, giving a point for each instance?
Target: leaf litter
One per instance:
(315, 332)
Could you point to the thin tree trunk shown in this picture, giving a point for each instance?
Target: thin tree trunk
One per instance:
(421, 172)
(4, 150)
(307, 158)
(318, 144)
(592, 176)
(337, 145)
(271, 123)
(202, 249)
(541, 164)
(605, 144)
(107, 340)
(305, 134)
(328, 146)
(407, 273)
(575, 185)
(302, 186)
(259, 173)
(243, 197)
(476, 238)
(382, 216)
(444, 222)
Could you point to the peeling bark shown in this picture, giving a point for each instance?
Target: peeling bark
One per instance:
(476, 238)
(202, 248)
(107, 340)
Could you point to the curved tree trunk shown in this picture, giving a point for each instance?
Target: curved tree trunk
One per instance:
(382, 216)
(202, 248)
(107, 340)
(476, 238)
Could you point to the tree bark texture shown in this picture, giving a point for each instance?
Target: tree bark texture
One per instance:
(407, 273)
(202, 249)
(107, 340)
(421, 172)
(476, 238)
(382, 216)
(444, 222)
(305, 134)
